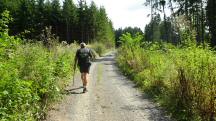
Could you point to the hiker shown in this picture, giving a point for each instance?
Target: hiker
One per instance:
(82, 58)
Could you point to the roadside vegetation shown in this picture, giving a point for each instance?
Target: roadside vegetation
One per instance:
(38, 41)
(180, 78)
(173, 59)
(32, 75)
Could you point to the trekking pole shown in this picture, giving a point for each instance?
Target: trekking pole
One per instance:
(74, 74)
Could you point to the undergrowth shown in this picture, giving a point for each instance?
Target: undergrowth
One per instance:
(182, 79)
(31, 75)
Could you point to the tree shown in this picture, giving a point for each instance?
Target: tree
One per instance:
(2, 5)
(24, 18)
(102, 25)
(70, 19)
(152, 30)
(92, 21)
(56, 16)
(195, 14)
(82, 15)
(69, 22)
(133, 31)
(193, 10)
(40, 21)
(211, 17)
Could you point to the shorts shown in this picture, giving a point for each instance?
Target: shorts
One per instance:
(84, 68)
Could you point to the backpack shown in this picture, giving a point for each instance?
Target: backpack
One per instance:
(84, 56)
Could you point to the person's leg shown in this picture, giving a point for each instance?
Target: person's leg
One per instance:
(83, 78)
(85, 82)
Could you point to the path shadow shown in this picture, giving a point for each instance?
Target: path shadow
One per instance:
(108, 64)
(103, 59)
(68, 90)
(73, 91)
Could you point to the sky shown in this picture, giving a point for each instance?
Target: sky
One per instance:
(124, 13)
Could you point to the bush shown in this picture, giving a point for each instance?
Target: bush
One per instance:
(30, 77)
(181, 79)
(99, 48)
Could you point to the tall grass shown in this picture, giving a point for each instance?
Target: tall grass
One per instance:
(31, 76)
(182, 79)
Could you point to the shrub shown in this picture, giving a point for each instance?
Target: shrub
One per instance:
(31, 77)
(181, 79)
(99, 48)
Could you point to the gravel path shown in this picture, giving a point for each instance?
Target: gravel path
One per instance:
(110, 97)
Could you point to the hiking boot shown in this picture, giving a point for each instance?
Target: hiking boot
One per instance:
(84, 89)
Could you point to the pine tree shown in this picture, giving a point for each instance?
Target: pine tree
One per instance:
(40, 21)
(56, 17)
(24, 18)
(92, 21)
(211, 17)
(70, 20)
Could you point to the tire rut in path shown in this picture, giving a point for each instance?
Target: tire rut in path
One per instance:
(110, 97)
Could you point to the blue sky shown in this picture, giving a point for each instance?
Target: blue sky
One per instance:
(124, 13)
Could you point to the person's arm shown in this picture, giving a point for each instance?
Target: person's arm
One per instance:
(91, 54)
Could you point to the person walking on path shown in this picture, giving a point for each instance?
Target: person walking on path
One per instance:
(82, 59)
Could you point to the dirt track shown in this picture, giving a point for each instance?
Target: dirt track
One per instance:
(110, 97)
